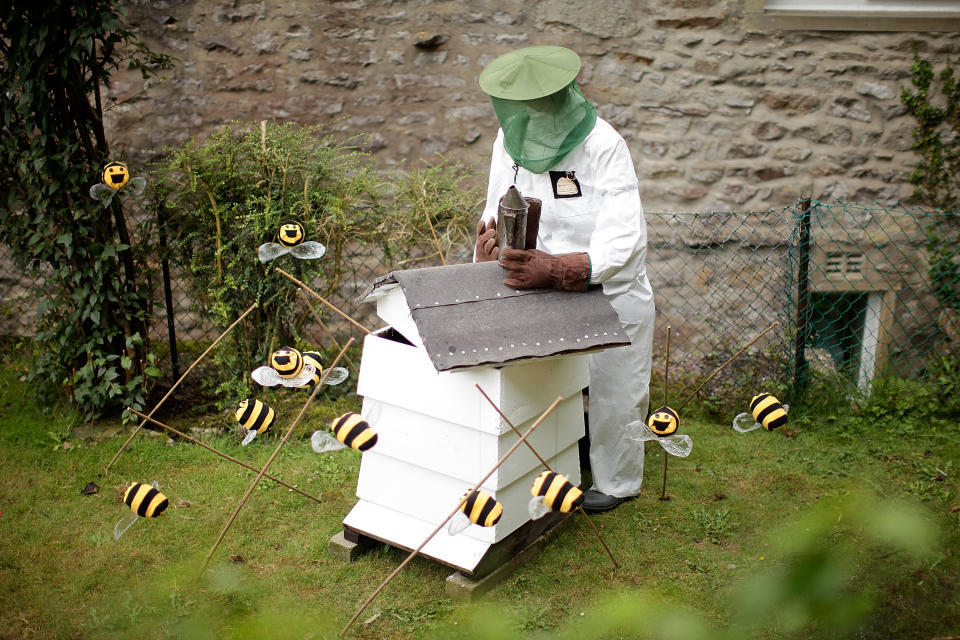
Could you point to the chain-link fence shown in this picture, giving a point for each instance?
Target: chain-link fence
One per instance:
(857, 291)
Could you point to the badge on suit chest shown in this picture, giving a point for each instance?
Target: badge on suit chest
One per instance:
(565, 184)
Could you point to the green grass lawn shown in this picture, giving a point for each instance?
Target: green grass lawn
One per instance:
(822, 532)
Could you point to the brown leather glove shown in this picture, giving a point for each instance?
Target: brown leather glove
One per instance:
(535, 269)
(486, 249)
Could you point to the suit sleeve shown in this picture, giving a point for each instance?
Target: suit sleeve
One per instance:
(619, 240)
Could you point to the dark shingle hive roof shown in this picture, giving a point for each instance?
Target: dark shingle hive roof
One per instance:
(467, 317)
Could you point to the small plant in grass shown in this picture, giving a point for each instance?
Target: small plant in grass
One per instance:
(715, 526)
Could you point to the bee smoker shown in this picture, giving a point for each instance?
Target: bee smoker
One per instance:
(511, 221)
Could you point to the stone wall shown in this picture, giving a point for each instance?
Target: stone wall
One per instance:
(717, 117)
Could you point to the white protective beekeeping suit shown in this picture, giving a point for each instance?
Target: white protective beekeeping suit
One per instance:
(597, 209)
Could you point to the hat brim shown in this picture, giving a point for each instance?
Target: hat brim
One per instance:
(529, 73)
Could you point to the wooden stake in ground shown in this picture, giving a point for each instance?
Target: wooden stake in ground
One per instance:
(616, 565)
(273, 455)
(666, 374)
(329, 334)
(223, 455)
(721, 367)
(476, 487)
(322, 299)
(177, 383)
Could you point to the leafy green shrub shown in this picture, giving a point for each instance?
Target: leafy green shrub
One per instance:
(909, 407)
(95, 302)
(228, 195)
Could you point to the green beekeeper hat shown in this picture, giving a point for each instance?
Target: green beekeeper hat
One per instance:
(532, 72)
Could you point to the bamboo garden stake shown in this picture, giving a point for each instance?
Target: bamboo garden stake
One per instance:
(322, 299)
(476, 487)
(223, 455)
(721, 367)
(666, 374)
(326, 331)
(269, 461)
(616, 565)
(177, 383)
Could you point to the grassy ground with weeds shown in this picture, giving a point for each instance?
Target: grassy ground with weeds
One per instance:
(819, 531)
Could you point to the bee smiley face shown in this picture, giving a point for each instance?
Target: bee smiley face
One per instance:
(287, 362)
(664, 421)
(116, 175)
(290, 234)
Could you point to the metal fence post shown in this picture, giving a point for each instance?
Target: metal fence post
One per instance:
(801, 368)
(167, 293)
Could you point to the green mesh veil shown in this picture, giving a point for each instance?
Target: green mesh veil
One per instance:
(537, 133)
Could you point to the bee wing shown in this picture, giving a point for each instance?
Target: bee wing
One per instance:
(309, 250)
(247, 439)
(266, 376)
(786, 408)
(136, 186)
(269, 378)
(679, 445)
(300, 380)
(102, 193)
(372, 410)
(125, 523)
(337, 375)
(537, 508)
(321, 441)
(458, 523)
(641, 432)
(270, 250)
(744, 419)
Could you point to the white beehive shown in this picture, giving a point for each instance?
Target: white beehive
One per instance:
(451, 329)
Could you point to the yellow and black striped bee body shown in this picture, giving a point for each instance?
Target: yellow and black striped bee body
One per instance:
(144, 500)
(481, 508)
(254, 415)
(355, 432)
(116, 175)
(312, 357)
(290, 234)
(768, 411)
(557, 492)
(287, 362)
(664, 421)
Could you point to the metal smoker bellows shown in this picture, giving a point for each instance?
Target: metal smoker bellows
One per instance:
(512, 221)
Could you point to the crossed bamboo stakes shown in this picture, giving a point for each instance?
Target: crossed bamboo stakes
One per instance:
(522, 440)
(262, 472)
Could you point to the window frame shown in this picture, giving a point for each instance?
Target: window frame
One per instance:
(757, 17)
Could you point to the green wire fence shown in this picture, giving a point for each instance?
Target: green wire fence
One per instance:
(860, 292)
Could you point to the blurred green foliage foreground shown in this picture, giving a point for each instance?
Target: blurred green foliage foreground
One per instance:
(830, 529)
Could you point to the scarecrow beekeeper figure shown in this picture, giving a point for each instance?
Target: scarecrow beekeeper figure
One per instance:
(554, 148)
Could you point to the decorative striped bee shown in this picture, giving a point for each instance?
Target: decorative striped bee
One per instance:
(553, 492)
(145, 501)
(290, 237)
(338, 375)
(116, 176)
(355, 432)
(254, 416)
(289, 368)
(662, 426)
(476, 507)
(766, 411)
(349, 430)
